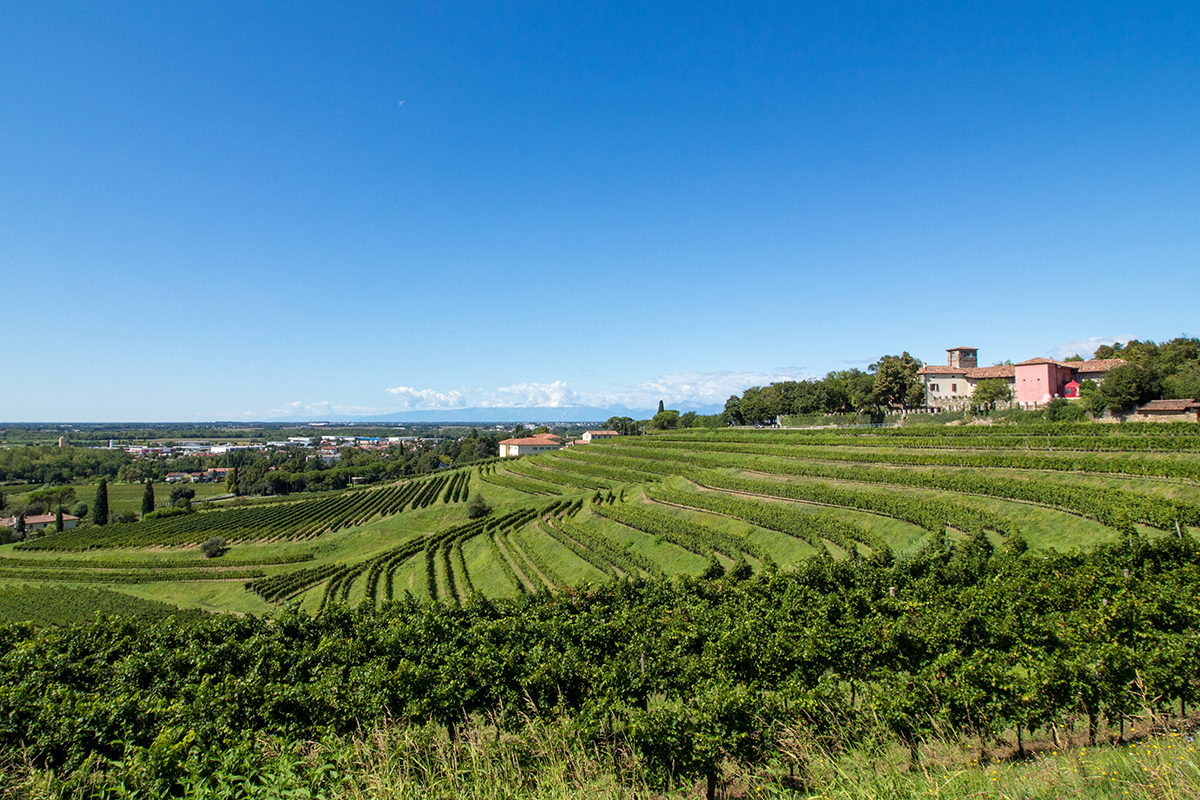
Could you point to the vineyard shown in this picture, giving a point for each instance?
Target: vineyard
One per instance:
(647, 507)
(701, 591)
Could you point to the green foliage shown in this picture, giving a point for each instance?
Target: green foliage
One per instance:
(690, 674)
(989, 392)
(214, 546)
(170, 511)
(1062, 410)
(296, 520)
(1127, 386)
(148, 498)
(1106, 506)
(100, 504)
(1184, 384)
(665, 420)
(896, 382)
(182, 495)
(478, 507)
(41, 606)
(698, 539)
(52, 497)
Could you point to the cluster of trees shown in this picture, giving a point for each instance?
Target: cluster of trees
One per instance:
(960, 640)
(54, 499)
(1170, 370)
(890, 383)
(295, 470)
(54, 465)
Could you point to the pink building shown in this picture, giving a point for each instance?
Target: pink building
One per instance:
(1040, 380)
(1034, 382)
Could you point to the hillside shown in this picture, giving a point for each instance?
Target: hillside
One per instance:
(833, 600)
(652, 506)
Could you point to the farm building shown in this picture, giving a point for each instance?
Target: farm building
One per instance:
(1169, 411)
(539, 443)
(590, 436)
(39, 522)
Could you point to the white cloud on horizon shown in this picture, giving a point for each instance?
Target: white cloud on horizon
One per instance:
(702, 388)
(673, 388)
(321, 409)
(426, 399)
(1086, 347)
(708, 387)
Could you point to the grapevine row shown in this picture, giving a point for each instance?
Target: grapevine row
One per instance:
(808, 526)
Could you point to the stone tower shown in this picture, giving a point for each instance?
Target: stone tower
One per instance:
(963, 357)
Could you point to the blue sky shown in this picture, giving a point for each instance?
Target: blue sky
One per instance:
(217, 211)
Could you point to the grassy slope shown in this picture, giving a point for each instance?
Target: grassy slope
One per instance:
(1042, 528)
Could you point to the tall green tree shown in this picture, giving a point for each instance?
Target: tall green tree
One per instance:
(58, 520)
(732, 415)
(148, 498)
(100, 505)
(896, 382)
(1126, 386)
(660, 406)
(665, 420)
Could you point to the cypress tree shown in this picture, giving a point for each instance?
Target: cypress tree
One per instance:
(660, 406)
(21, 524)
(100, 507)
(58, 520)
(148, 498)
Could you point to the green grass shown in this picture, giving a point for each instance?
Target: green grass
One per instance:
(62, 604)
(122, 497)
(1041, 528)
(549, 759)
(570, 567)
(671, 558)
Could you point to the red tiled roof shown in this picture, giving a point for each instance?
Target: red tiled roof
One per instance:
(1038, 360)
(1170, 405)
(952, 349)
(941, 370)
(37, 519)
(1095, 364)
(541, 438)
(604, 433)
(998, 371)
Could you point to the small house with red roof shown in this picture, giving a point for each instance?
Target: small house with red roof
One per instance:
(39, 522)
(1169, 411)
(529, 445)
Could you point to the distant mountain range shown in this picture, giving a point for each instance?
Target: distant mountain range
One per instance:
(516, 414)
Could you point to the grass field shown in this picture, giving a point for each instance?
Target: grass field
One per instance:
(746, 489)
(123, 497)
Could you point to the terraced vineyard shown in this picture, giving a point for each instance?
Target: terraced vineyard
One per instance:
(652, 506)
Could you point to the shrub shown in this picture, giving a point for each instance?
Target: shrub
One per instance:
(214, 546)
(478, 507)
(168, 512)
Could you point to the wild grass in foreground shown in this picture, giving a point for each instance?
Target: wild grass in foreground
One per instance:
(551, 761)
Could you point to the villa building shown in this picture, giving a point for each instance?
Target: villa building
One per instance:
(1034, 382)
(35, 523)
